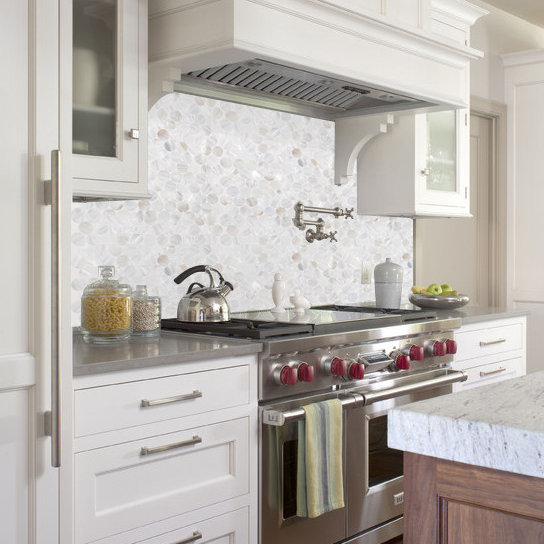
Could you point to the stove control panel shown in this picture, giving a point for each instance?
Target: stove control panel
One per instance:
(336, 366)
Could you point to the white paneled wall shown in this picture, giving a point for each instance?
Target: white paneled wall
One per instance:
(524, 91)
(224, 179)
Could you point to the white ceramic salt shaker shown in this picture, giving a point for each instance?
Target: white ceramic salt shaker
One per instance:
(278, 294)
(300, 303)
(388, 284)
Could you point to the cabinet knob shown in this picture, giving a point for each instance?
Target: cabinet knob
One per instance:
(134, 133)
(426, 172)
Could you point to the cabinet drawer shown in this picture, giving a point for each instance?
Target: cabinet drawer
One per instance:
(136, 483)
(492, 372)
(230, 528)
(125, 405)
(488, 341)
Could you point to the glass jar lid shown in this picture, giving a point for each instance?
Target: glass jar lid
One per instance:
(106, 285)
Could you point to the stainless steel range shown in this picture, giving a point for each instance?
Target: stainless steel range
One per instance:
(372, 360)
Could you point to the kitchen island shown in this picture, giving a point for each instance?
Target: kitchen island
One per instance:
(474, 464)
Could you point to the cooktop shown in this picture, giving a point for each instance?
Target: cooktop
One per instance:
(265, 324)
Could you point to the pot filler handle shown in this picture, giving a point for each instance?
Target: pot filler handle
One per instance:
(358, 399)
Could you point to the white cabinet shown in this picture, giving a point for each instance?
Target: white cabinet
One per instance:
(109, 114)
(418, 166)
(491, 351)
(169, 451)
(14, 463)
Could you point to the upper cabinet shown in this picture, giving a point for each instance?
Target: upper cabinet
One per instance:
(413, 165)
(109, 121)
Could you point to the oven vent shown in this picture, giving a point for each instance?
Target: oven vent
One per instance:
(273, 83)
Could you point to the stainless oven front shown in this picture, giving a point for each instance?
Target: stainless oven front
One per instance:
(373, 492)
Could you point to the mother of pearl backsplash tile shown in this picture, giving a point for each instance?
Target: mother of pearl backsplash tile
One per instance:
(224, 179)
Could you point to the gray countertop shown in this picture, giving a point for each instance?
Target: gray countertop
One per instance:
(168, 348)
(498, 426)
(477, 314)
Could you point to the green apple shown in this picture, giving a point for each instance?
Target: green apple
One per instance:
(446, 287)
(434, 289)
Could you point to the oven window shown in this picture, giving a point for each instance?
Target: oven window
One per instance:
(289, 478)
(384, 463)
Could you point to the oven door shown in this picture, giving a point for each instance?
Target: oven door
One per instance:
(375, 484)
(278, 473)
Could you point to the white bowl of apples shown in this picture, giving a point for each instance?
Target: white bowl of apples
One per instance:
(439, 296)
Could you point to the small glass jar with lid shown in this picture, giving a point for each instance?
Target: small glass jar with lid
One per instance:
(146, 316)
(106, 309)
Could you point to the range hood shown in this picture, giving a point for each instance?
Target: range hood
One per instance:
(325, 59)
(267, 84)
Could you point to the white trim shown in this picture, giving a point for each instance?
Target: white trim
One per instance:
(521, 58)
(497, 230)
(459, 9)
(17, 370)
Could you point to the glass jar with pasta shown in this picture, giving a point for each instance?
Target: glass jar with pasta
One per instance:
(106, 309)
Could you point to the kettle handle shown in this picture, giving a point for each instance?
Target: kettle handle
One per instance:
(198, 268)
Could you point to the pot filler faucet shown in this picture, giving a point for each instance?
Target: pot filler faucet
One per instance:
(319, 232)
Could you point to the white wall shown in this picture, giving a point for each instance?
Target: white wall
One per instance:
(496, 34)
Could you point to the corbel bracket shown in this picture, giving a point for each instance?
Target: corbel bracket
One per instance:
(351, 134)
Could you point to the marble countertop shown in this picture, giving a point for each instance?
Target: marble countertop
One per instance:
(499, 426)
(168, 348)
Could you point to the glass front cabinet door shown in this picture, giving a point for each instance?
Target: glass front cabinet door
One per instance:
(442, 163)
(418, 167)
(109, 95)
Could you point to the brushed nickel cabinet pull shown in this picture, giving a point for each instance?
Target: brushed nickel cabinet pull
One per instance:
(489, 372)
(491, 342)
(145, 403)
(197, 535)
(158, 449)
(56, 281)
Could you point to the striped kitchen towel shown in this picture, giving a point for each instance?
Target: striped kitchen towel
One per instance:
(320, 486)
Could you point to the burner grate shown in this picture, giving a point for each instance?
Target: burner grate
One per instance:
(239, 328)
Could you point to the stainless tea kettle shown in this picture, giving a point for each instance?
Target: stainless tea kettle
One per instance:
(204, 303)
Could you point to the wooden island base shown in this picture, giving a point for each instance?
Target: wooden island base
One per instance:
(454, 503)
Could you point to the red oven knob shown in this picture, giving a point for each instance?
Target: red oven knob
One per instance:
(416, 353)
(356, 371)
(339, 367)
(288, 375)
(305, 372)
(402, 362)
(451, 347)
(439, 349)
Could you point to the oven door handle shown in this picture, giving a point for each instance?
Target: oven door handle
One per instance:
(279, 418)
(451, 376)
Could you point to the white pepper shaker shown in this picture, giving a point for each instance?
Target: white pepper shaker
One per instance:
(278, 294)
(388, 284)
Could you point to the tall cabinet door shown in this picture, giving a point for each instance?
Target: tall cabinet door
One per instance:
(29, 109)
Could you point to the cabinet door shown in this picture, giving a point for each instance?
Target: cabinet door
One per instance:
(442, 163)
(109, 111)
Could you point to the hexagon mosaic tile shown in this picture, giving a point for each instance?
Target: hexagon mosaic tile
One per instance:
(224, 179)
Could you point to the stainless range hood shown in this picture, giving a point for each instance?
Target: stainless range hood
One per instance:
(266, 84)
(323, 58)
